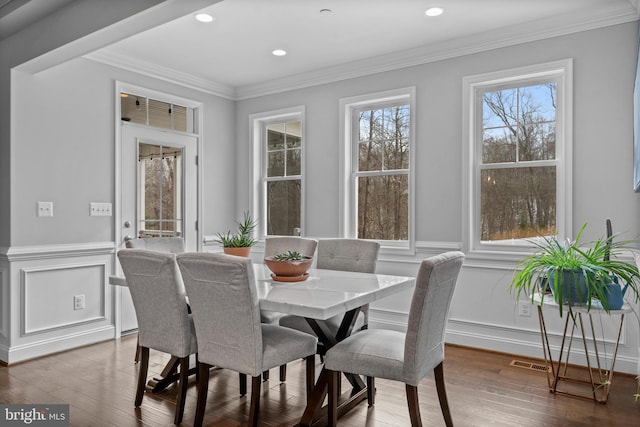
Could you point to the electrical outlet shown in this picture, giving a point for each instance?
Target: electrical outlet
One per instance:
(524, 309)
(45, 208)
(78, 302)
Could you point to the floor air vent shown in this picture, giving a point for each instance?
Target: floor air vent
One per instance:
(528, 365)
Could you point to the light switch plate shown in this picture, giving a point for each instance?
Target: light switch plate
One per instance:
(99, 209)
(45, 208)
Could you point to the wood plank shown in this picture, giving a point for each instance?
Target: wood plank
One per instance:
(99, 382)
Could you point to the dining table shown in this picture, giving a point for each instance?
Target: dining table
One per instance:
(322, 295)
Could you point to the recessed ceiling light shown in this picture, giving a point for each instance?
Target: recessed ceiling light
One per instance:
(279, 52)
(204, 17)
(434, 11)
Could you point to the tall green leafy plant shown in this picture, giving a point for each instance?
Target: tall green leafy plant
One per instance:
(595, 264)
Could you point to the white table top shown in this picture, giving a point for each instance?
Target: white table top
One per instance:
(324, 294)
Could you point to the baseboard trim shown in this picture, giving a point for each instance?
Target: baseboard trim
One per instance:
(500, 339)
(21, 353)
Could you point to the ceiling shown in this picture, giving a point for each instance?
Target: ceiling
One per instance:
(16, 14)
(232, 55)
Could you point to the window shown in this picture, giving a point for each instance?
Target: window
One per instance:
(151, 112)
(160, 179)
(519, 159)
(378, 196)
(278, 150)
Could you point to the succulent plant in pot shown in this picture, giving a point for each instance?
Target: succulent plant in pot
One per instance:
(290, 264)
(240, 242)
(577, 274)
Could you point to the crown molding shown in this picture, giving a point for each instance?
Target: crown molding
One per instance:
(509, 36)
(109, 57)
(476, 43)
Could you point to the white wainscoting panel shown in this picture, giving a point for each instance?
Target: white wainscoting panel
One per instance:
(39, 284)
(48, 296)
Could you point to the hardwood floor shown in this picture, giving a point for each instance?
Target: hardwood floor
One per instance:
(99, 381)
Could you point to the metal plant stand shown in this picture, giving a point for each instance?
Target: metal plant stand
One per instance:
(600, 378)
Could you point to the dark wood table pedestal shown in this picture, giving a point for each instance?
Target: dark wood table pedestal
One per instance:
(315, 413)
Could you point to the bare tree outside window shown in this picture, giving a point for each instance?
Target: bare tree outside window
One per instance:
(161, 212)
(518, 169)
(283, 177)
(383, 172)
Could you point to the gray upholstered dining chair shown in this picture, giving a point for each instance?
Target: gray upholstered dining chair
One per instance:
(406, 357)
(173, 245)
(273, 246)
(278, 244)
(344, 255)
(226, 313)
(164, 323)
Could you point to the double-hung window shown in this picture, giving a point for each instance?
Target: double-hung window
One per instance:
(519, 159)
(377, 167)
(278, 150)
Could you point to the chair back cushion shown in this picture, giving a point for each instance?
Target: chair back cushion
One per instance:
(159, 300)
(428, 314)
(276, 245)
(174, 245)
(225, 307)
(348, 255)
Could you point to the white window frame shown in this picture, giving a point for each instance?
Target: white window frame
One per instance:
(348, 161)
(258, 123)
(561, 72)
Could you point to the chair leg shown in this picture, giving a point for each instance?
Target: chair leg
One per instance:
(203, 388)
(414, 408)
(371, 391)
(311, 373)
(142, 374)
(334, 377)
(137, 356)
(182, 389)
(283, 373)
(197, 370)
(438, 372)
(243, 384)
(256, 383)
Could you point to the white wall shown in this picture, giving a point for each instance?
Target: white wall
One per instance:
(63, 151)
(483, 311)
(67, 33)
(69, 254)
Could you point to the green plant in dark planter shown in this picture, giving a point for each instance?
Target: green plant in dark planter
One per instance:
(575, 274)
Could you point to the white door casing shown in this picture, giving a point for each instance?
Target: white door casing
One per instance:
(131, 191)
